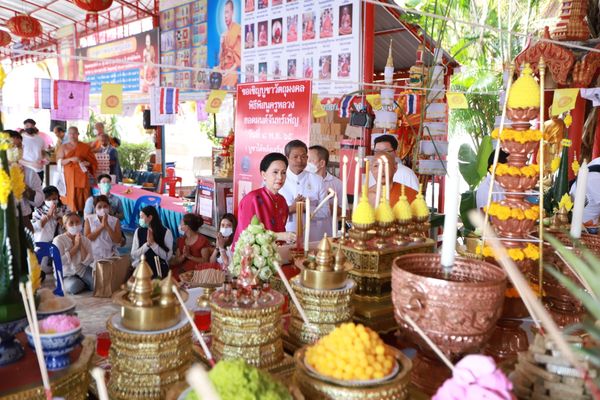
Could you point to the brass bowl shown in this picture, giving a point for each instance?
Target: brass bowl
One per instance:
(208, 289)
(520, 116)
(517, 183)
(458, 312)
(153, 318)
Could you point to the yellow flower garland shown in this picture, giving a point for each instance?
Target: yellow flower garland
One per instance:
(5, 141)
(528, 171)
(505, 212)
(555, 164)
(5, 188)
(565, 202)
(529, 252)
(17, 180)
(575, 165)
(530, 135)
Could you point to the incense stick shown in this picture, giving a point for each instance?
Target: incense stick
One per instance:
(98, 375)
(194, 327)
(427, 340)
(330, 195)
(292, 293)
(198, 379)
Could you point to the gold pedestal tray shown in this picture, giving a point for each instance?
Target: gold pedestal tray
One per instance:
(314, 388)
(251, 332)
(144, 365)
(70, 383)
(376, 312)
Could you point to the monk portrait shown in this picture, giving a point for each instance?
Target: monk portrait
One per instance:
(292, 30)
(346, 20)
(308, 26)
(231, 45)
(327, 23)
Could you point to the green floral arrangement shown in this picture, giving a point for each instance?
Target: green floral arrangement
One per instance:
(255, 247)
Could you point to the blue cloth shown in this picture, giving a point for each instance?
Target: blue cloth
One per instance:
(170, 219)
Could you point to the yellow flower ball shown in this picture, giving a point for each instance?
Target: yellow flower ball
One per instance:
(555, 164)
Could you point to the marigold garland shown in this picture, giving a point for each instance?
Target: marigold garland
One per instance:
(555, 164)
(5, 188)
(529, 252)
(5, 141)
(528, 171)
(514, 293)
(17, 181)
(530, 135)
(505, 212)
(575, 165)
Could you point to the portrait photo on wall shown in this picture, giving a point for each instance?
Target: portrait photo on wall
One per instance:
(276, 70)
(344, 65)
(249, 6)
(263, 4)
(183, 16)
(345, 25)
(249, 73)
(291, 68)
(292, 28)
(308, 25)
(263, 37)
(325, 67)
(262, 71)
(307, 67)
(276, 2)
(277, 31)
(225, 39)
(326, 23)
(249, 36)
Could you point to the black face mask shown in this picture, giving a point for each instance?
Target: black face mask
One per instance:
(215, 80)
(31, 131)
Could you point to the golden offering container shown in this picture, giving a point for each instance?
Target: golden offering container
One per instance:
(152, 318)
(323, 279)
(312, 387)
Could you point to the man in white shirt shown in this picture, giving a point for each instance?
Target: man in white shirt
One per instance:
(591, 211)
(301, 184)
(318, 159)
(33, 148)
(481, 195)
(404, 175)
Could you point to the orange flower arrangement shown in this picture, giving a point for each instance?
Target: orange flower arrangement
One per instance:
(528, 171)
(530, 135)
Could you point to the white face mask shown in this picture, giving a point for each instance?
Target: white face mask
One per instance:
(101, 212)
(227, 231)
(181, 231)
(311, 168)
(74, 230)
(49, 203)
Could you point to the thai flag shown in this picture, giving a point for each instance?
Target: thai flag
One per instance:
(412, 104)
(345, 106)
(46, 94)
(169, 100)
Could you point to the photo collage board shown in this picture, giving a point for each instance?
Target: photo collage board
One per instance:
(287, 39)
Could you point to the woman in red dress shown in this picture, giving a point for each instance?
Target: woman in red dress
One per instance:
(266, 203)
(193, 249)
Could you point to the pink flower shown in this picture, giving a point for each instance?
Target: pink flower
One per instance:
(58, 324)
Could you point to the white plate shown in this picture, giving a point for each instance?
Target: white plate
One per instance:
(340, 382)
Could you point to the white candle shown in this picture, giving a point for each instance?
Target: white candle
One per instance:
(356, 182)
(451, 196)
(198, 379)
(579, 203)
(334, 222)
(344, 186)
(387, 178)
(379, 179)
(98, 375)
(306, 225)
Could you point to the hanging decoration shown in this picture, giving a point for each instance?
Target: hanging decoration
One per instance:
(24, 26)
(5, 39)
(93, 7)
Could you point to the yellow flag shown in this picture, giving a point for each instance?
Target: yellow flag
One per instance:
(375, 101)
(564, 100)
(456, 100)
(215, 99)
(317, 108)
(112, 99)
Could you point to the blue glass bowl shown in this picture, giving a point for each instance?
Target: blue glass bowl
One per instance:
(57, 346)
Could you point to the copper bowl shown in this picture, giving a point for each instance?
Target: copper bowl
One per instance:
(516, 183)
(515, 148)
(520, 117)
(457, 312)
(513, 227)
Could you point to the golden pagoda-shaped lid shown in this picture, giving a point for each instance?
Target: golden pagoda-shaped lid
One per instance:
(142, 285)
(340, 258)
(324, 258)
(390, 59)
(167, 298)
(525, 91)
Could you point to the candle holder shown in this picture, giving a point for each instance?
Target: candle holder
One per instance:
(403, 230)
(457, 310)
(560, 220)
(421, 227)
(361, 234)
(385, 230)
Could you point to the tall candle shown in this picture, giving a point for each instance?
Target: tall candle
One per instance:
(387, 178)
(334, 222)
(579, 203)
(356, 182)
(344, 185)
(307, 225)
(450, 219)
(378, 187)
(365, 184)
(299, 210)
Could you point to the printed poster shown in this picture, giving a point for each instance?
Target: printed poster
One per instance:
(225, 40)
(270, 114)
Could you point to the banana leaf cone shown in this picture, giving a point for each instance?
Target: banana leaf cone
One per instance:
(561, 183)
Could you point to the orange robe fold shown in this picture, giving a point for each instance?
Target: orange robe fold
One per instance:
(77, 181)
(231, 47)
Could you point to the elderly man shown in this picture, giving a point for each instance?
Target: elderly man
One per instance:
(396, 188)
(403, 175)
(97, 144)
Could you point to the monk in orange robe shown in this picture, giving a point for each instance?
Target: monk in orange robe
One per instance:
(396, 188)
(77, 160)
(231, 47)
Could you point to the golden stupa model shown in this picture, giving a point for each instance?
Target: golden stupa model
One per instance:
(147, 306)
(325, 271)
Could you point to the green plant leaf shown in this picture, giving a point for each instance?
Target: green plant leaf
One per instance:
(485, 149)
(468, 165)
(468, 201)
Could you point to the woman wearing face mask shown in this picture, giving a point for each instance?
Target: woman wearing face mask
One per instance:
(193, 249)
(266, 203)
(153, 241)
(47, 219)
(76, 256)
(116, 207)
(103, 230)
(222, 253)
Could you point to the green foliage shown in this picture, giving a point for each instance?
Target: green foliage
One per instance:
(111, 126)
(134, 156)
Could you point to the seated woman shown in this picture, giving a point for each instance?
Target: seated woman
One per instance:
(222, 253)
(193, 249)
(266, 203)
(76, 256)
(103, 230)
(153, 241)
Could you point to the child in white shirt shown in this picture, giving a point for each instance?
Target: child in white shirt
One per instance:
(47, 220)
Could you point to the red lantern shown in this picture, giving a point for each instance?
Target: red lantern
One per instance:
(24, 26)
(5, 39)
(93, 7)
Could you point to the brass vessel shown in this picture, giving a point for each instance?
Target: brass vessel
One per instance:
(327, 271)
